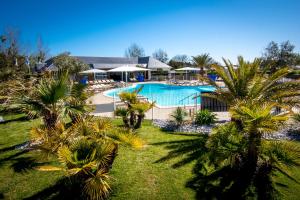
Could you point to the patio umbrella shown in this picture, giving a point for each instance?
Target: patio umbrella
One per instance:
(93, 71)
(186, 69)
(127, 69)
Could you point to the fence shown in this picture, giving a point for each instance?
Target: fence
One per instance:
(167, 103)
(213, 105)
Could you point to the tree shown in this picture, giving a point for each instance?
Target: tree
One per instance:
(237, 150)
(202, 61)
(179, 115)
(181, 58)
(278, 56)
(161, 55)
(179, 61)
(86, 151)
(249, 82)
(12, 60)
(42, 50)
(134, 112)
(52, 99)
(39, 55)
(241, 161)
(65, 62)
(134, 50)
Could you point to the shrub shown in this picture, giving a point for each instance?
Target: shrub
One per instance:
(134, 111)
(296, 117)
(179, 116)
(205, 117)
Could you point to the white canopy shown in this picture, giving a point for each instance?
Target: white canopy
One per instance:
(188, 69)
(297, 67)
(127, 68)
(92, 71)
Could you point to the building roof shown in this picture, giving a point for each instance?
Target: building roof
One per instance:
(107, 63)
(113, 62)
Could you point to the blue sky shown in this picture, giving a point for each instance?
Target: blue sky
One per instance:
(223, 28)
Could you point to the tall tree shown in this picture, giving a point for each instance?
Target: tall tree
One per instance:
(42, 50)
(278, 56)
(249, 82)
(134, 50)
(179, 61)
(11, 57)
(202, 61)
(240, 151)
(72, 64)
(161, 55)
(39, 55)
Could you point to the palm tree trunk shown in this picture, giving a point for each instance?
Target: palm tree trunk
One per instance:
(139, 121)
(112, 158)
(202, 71)
(50, 120)
(132, 119)
(126, 122)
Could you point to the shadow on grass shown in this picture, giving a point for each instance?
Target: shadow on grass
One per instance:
(12, 147)
(62, 189)
(18, 119)
(13, 156)
(193, 149)
(25, 164)
(216, 185)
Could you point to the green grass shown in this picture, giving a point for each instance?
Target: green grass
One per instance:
(159, 171)
(18, 179)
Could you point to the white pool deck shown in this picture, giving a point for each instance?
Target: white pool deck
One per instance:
(104, 106)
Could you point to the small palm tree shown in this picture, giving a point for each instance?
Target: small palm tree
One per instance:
(179, 116)
(202, 61)
(246, 156)
(134, 112)
(87, 163)
(53, 98)
(86, 151)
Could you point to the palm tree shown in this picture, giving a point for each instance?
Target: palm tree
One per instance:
(257, 119)
(179, 116)
(87, 163)
(53, 98)
(86, 151)
(249, 82)
(202, 61)
(245, 155)
(252, 95)
(135, 110)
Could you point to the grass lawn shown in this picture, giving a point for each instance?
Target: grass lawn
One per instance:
(161, 170)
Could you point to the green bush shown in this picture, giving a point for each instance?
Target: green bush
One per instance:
(179, 116)
(205, 117)
(296, 117)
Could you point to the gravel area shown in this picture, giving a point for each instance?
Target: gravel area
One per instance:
(291, 132)
(169, 125)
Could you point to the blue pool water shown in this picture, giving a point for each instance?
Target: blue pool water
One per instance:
(166, 95)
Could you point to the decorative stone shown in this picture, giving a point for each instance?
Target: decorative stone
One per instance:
(290, 132)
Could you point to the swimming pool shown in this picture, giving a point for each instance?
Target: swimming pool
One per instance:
(165, 95)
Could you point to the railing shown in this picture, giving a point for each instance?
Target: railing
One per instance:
(192, 97)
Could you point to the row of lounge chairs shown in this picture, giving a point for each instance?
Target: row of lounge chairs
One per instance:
(104, 81)
(133, 80)
(101, 85)
(187, 83)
